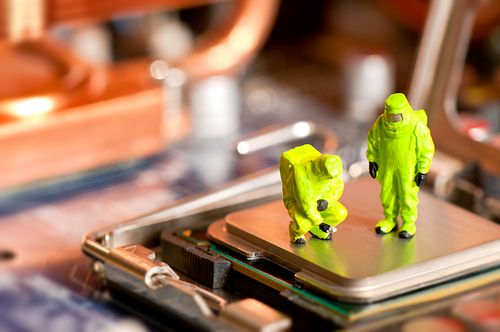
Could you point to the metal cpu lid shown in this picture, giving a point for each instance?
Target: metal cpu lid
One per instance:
(358, 265)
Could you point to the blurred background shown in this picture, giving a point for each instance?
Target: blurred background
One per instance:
(114, 109)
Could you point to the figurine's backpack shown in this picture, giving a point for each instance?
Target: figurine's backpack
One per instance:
(293, 157)
(422, 116)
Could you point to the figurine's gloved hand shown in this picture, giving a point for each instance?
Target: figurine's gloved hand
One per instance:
(322, 204)
(373, 169)
(420, 179)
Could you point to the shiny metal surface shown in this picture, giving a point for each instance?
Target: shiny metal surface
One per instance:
(132, 269)
(286, 132)
(133, 259)
(178, 298)
(136, 264)
(436, 79)
(219, 234)
(215, 302)
(253, 315)
(359, 265)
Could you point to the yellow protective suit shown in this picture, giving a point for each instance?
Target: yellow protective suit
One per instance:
(400, 150)
(311, 185)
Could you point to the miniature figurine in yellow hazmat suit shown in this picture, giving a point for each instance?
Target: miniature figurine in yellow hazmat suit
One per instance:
(400, 150)
(311, 188)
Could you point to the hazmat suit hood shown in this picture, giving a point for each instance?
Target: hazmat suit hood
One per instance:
(397, 114)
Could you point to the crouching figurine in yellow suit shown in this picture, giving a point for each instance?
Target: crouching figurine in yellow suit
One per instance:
(400, 151)
(311, 188)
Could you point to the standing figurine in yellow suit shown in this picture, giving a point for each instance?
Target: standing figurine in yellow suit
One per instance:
(400, 150)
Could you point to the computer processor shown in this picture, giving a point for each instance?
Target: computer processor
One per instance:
(358, 276)
(358, 265)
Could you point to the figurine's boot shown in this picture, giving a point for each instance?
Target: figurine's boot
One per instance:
(296, 235)
(299, 240)
(407, 230)
(409, 212)
(386, 225)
